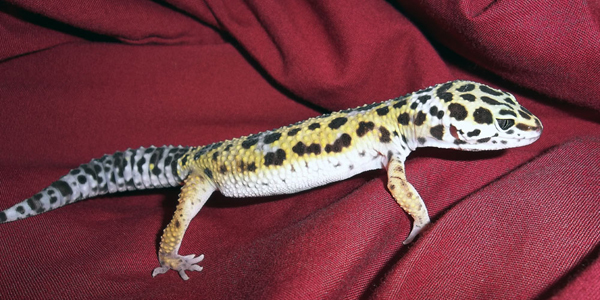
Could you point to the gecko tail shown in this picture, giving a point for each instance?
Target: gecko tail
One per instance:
(133, 169)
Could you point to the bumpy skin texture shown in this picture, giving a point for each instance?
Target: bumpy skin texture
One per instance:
(460, 115)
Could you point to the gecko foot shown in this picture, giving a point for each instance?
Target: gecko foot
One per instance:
(179, 263)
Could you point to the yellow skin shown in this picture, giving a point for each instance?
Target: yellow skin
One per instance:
(460, 115)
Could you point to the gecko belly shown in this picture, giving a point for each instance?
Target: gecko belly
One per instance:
(298, 175)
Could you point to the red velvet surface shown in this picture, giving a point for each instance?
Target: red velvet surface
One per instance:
(79, 79)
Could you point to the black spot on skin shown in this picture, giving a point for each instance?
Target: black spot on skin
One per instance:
(362, 153)
(275, 158)
(466, 88)
(81, 179)
(3, 217)
(314, 126)
(299, 148)
(505, 112)
(444, 88)
(389, 155)
(51, 192)
(400, 103)
(508, 100)
(524, 115)
(468, 97)
(249, 142)
(433, 111)
(457, 111)
(524, 127)
(140, 165)
(440, 114)
(424, 99)
(383, 111)
(208, 173)
(75, 172)
(337, 122)
(90, 171)
(252, 167)
(314, 148)
(459, 142)
(119, 166)
(503, 142)
(395, 133)
(279, 157)
(156, 170)
(442, 92)
(53, 200)
(510, 132)
(242, 166)
(154, 158)
(270, 138)
(184, 160)
(420, 119)
(20, 209)
(484, 140)
(269, 157)
(385, 135)
(177, 224)
(488, 90)
(490, 101)
(215, 155)
(414, 105)
(351, 167)
(98, 168)
(343, 141)
(403, 119)
(227, 147)
(437, 132)
(473, 133)
(293, 131)
(32, 203)
(404, 139)
(447, 97)
(364, 127)
(223, 169)
(483, 116)
(421, 140)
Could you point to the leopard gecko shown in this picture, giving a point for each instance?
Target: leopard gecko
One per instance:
(459, 114)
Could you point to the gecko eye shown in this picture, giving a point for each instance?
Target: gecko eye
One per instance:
(505, 123)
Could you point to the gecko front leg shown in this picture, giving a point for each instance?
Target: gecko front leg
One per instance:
(196, 190)
(408, 198)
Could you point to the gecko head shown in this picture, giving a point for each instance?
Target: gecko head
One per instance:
(478, 117)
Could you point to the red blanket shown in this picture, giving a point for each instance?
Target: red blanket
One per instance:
(79, 79)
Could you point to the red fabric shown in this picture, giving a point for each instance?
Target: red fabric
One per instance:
(80, 79)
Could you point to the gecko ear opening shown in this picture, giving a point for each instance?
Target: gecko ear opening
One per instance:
(454, 132)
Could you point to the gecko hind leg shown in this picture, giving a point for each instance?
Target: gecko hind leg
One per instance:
(408, 198)
(194, 194)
